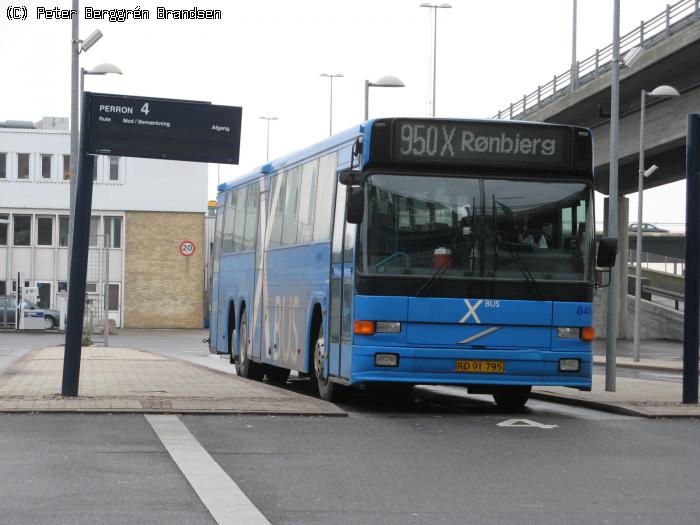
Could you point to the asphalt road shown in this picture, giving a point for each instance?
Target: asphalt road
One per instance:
(436, 456)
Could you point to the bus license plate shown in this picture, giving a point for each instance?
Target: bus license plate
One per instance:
(480, 367)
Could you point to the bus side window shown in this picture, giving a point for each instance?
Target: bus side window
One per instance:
(251, 217)
(291, 207)
(307, 201)
(277, 197)
(239, 221)
(324, 197)
(227, 243)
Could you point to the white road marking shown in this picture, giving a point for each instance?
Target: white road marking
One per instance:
(219, 493)
(524, 423)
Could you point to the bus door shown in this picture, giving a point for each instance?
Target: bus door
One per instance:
(340, 326)
(214, 311)
(259, 276)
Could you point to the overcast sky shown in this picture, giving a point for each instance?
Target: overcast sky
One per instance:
(266, 56)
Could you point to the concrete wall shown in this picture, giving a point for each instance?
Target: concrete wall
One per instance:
(163, 289)
(656, 321)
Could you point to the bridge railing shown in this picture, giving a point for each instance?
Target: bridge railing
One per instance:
(649, 33)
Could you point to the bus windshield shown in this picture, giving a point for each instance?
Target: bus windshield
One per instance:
(476, 227)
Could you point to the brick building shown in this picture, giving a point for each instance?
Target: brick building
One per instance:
(147, 208)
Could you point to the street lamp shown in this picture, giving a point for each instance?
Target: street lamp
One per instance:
(385, 81)
(100, 69)
(267, 157)
(331, 76)
(77, 46)
(435, 7)
(661, 91)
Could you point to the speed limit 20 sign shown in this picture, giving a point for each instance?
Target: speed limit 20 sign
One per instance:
(186, 248)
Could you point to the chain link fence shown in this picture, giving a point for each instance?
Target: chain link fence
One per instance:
(96, 326)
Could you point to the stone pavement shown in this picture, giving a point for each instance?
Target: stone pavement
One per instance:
(135, 381)
(638, 397)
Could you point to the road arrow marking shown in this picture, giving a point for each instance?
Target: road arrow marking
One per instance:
(522, 423)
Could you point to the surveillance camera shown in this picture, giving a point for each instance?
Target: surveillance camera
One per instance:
(91, 40)
(631, 56)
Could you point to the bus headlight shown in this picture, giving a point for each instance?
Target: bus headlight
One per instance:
(566, 332)
(388, 327)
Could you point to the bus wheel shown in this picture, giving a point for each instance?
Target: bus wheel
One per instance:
(511, 397)
(327, 390)
(276, 374)
(246, 367)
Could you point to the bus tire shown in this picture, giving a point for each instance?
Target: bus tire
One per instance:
(245, 366)
(276, 374)
(327, 390)
(511, 397)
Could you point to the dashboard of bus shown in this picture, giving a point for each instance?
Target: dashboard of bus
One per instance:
(528, 234)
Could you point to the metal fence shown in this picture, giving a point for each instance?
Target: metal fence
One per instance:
(649, 33)
(96, 325)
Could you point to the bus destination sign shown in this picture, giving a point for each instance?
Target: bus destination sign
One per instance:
(481, 143)
(163, 129)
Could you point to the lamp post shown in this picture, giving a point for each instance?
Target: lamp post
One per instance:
(331, 76)
(661, 91)
(77, 46)
(385, 81)
(100, 69)
(435, 7)
(268, 119)
(574, 65)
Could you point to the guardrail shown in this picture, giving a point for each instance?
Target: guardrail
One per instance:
(649, 33)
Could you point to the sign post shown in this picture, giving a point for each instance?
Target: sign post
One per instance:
(692, 260)
(136, 127)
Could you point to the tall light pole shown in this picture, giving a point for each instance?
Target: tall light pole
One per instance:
(435, 7)
(268, 119)
(385, 81)
(574, 64)
(661, 91)
(331, 76)
(77, 47)
(613, 298)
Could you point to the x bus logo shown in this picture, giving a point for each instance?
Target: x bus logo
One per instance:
(472, 311)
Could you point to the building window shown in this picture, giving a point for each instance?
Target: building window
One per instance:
(4, 221)
(90, 287)
(113, 229)
(114, 168)
(62, 286)
(66, 167)
(63, 231)
(113, 303)
(3, 165)
(22, 229)
(94, 230)
(44, 229)
(46, 166)
(95, 161)
(3, 288)
(23, 166)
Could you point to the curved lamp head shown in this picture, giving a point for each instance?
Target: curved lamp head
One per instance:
(104, 69)
(388, 81)
(664, 91)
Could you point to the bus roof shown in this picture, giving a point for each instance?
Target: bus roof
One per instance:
(291, 159)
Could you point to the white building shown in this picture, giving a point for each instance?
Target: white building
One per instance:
(147, 207)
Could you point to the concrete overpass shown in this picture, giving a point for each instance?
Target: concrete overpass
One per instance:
(669, 56)
(662, 50)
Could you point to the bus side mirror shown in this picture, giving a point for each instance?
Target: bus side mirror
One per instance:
(355, 204)
(607, 253)
(350, 177)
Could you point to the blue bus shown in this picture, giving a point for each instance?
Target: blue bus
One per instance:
(414, 251)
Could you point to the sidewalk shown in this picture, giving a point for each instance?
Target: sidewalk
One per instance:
(117, 380)
(637, 397)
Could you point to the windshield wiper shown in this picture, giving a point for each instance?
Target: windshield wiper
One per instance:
(529, 279)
